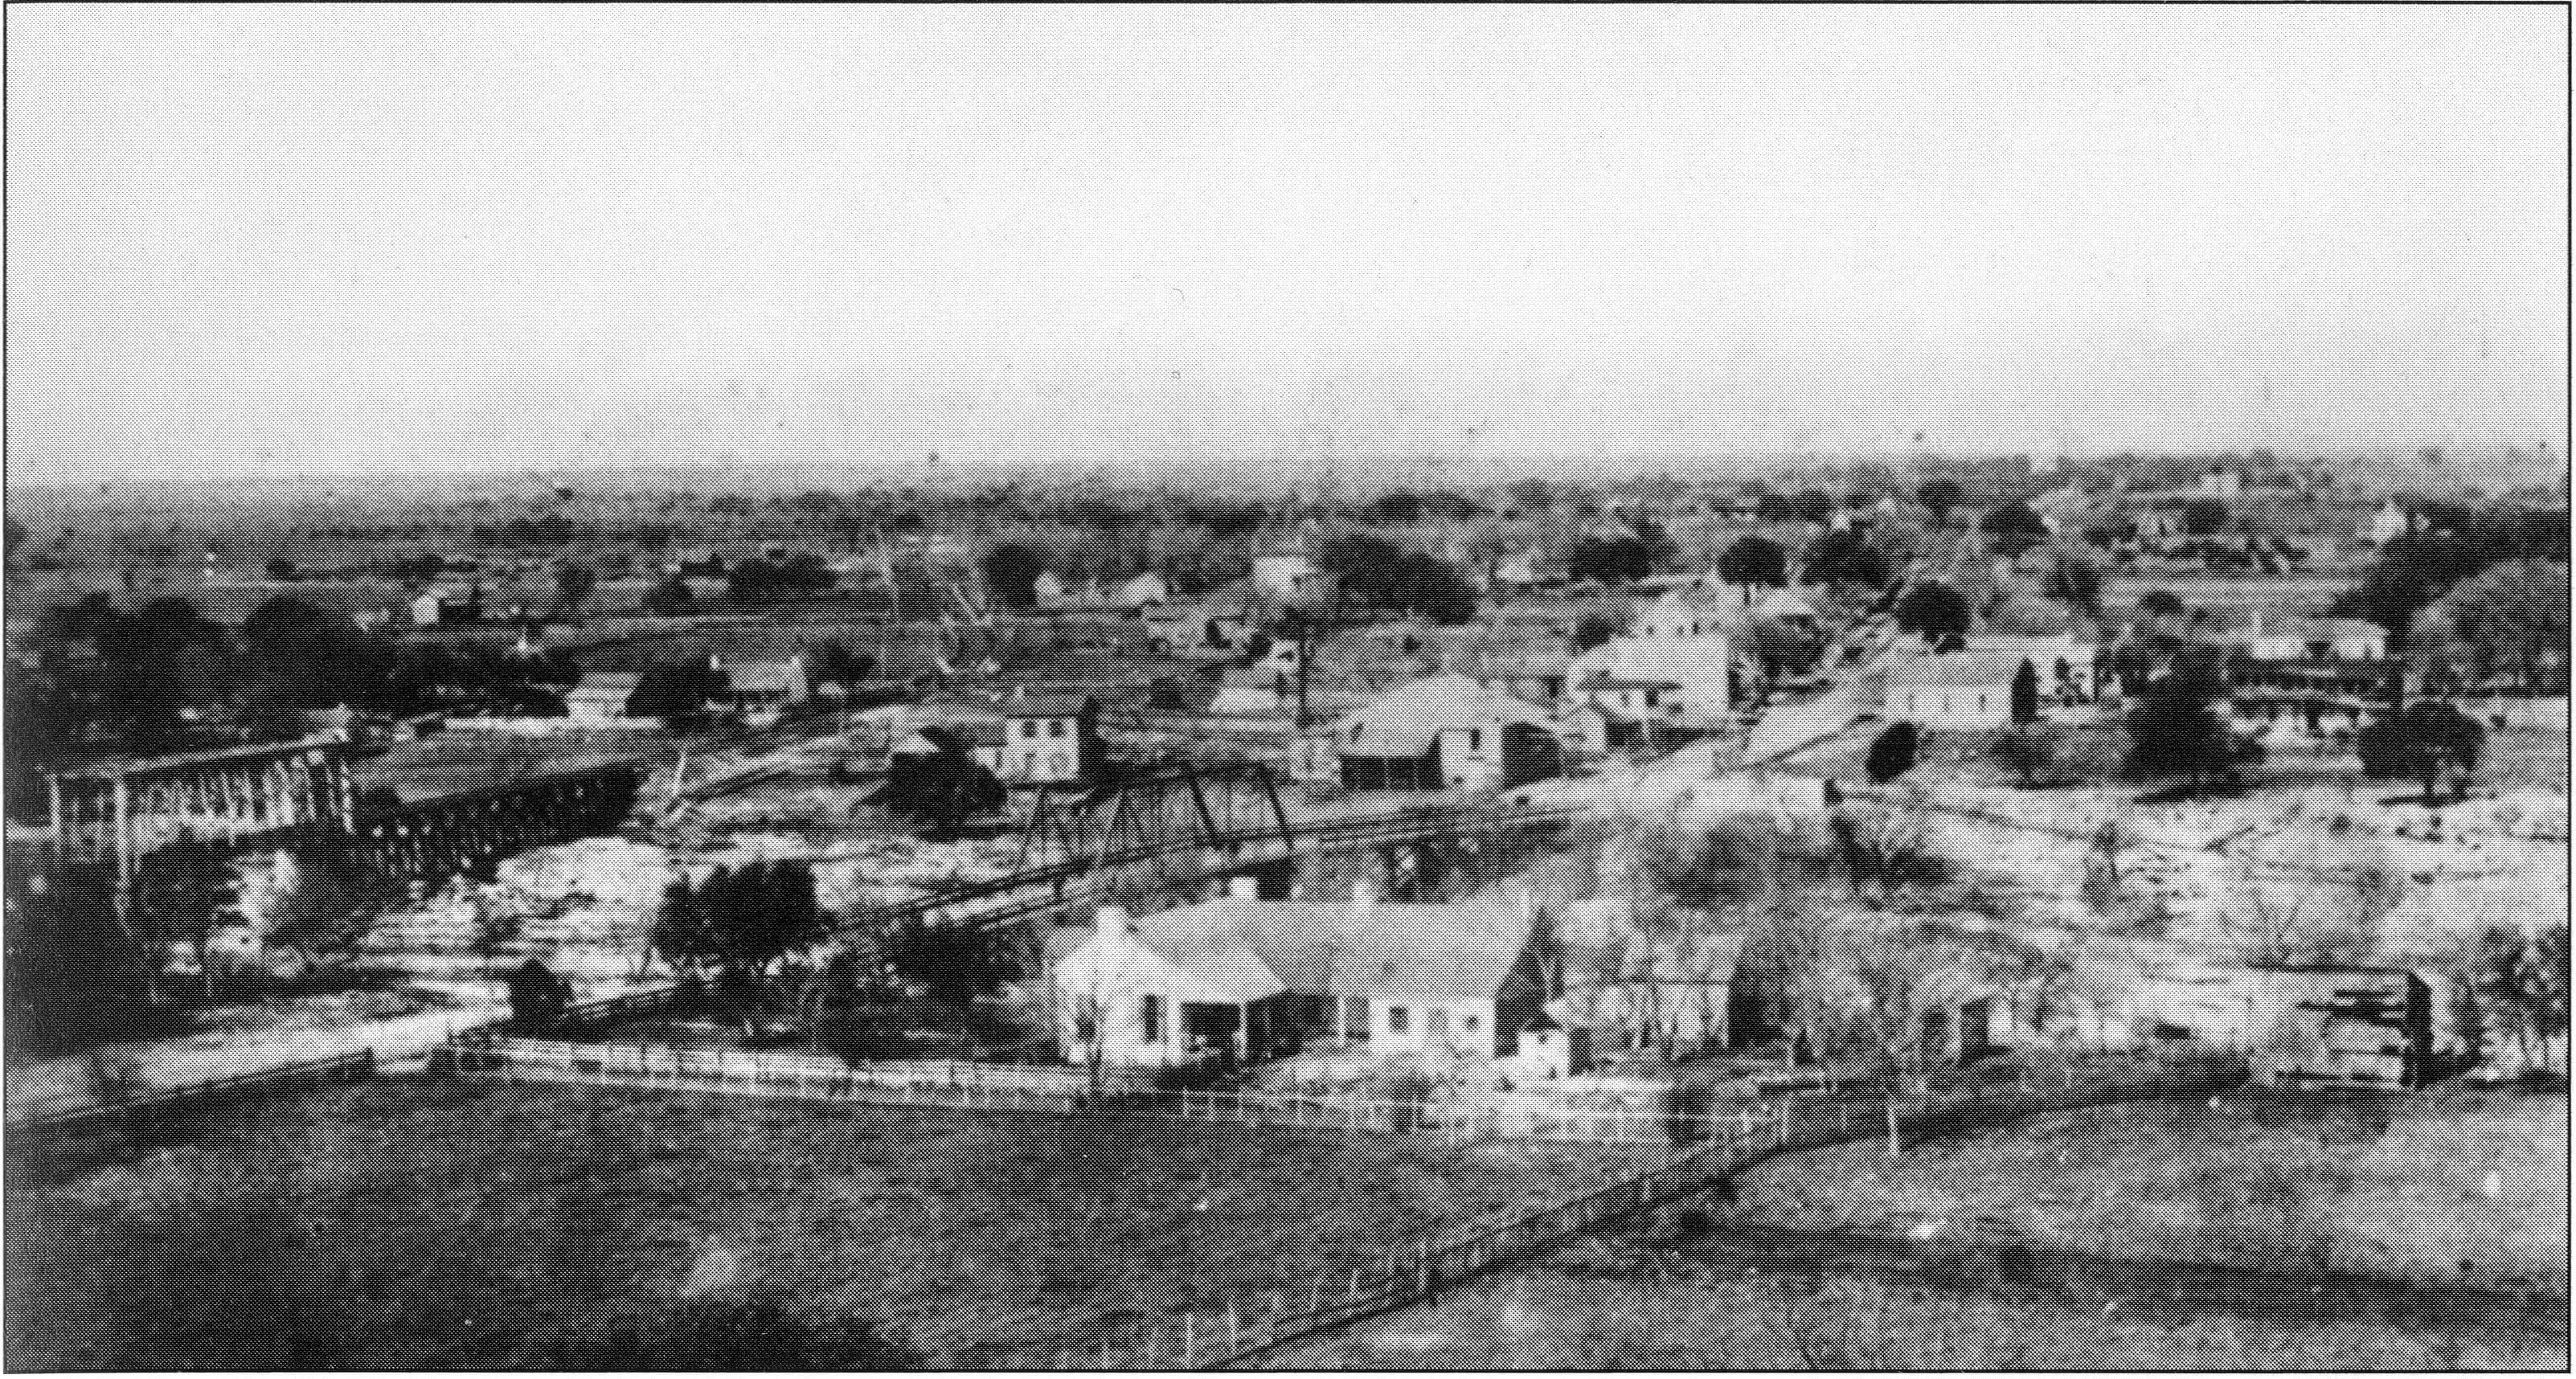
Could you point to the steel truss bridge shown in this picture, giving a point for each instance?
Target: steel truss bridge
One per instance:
(1181, 826)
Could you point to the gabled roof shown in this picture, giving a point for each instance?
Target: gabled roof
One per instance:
(1959, 668)
(600, 684)
(1048, 706)
(1380, 950)
(1405, 720)
(763, 676)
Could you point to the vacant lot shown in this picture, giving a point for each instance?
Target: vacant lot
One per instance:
(2395, 1186)
(1608, 1306)
(440, 1224)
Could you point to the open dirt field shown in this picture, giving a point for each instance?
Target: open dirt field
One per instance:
(1606, 1305)
(435, 1224)
(2391, 1186)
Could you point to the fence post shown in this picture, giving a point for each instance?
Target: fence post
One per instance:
(1233, 1325)
(1189, 1339)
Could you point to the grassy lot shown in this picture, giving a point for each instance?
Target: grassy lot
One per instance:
(1598, 1307)
(2530, 757)
(2394, 1186)
(439, 1224)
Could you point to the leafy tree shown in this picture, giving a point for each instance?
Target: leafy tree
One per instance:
(675, 689)
(1893, 752)
(183, 898)
(573, 583)
(952, 963)
(2161, 603)
(15, 533)
(1774, 507)
(1592, 630)
(1844, 557)
(2522, 981)
(669, 598)
(738, 923)
(2012, 528)
(1011, 572)
(281, 568)
(1813, 505)
(2425, 741)
(2177, 729)
(1754, 560)
(2410, 573)
(2203, 517)
(2514, 614)
(835, 664)
(2076, 582)
(1939, 496)
(939, 792)
(2027, 750)
(1397, 508)
(1384, 575)
(1611, 560)
(1933, 610)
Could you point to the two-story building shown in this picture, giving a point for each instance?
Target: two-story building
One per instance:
(1047, 740)
(1680, 640)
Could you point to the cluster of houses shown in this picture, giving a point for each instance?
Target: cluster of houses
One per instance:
(1239, 979)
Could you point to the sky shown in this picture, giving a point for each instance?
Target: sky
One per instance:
(254, 241)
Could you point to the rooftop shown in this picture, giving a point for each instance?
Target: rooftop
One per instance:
(1256, 948)
(1405, 720)
(1958, 668)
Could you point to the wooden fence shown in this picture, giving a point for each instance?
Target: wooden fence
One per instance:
(1021, 1087)
(1248, 1324)
(352, 1067)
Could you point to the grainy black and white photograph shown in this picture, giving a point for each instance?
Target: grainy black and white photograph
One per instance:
(1061, 688)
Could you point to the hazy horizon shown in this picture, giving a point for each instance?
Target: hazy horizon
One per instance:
(261, 242)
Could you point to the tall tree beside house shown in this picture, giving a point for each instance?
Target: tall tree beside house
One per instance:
(1610, 560)
(2012, 528)
(1933, 610)
(2512, 616)
(2410, 573)
(2024, 694)
(2426, 741)
(1753, 560)
(1376, 573)
(1011, 573)
(940, 792)
(1839, 558)
(2177, 729)
(951, 963)
(2076, 581)
(675, 689)
(738, 924)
